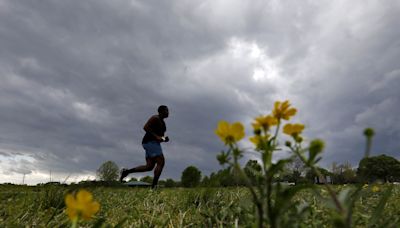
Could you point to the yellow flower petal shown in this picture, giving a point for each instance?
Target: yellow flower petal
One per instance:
(285, 105)
(287, 129)
(271, 120)
(256, 126)
(223, 126)
(81, 205)
(265, 122)
(222, 129)
(255, 140)
(70, 200)
(287, 114)
(298, 128)
(276, 105)
(94, 207)
(237, 131)
(84, 196)
(72, 213)
(90, 210)
(283, 110)
(293, 129)
(230, 133)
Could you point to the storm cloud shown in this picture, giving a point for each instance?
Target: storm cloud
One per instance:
(80, 78)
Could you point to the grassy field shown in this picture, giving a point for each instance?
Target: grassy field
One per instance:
(22, 206)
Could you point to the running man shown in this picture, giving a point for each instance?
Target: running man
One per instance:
(155, 129)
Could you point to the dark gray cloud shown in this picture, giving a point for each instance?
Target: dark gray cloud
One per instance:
(79, 79)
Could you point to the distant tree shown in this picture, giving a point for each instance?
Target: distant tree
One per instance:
(335, 172)
(349, 175)
(343, 173)
(238, 178)
(296, 165)
(294, 176)
(191, 177)
(381, 167)
(133, 179)
(170, 183)
(214, 180)
(161, 183)
(225, 177)
(147, 179)
(312, 176)
(108, 171)
(295, 168)
(205, 181)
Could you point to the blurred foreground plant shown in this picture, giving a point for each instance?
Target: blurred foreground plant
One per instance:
(81, 206)
(274, 202)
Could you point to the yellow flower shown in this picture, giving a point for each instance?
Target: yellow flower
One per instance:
(82, 205)
(257, 139)
(230, 133)
(282, 110)
(375, 189)
(293, 129)
(264, 122)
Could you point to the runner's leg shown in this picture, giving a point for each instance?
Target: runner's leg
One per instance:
(150, 163)
(160, 161)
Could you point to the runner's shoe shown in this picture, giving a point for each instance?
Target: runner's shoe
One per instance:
(124, 173)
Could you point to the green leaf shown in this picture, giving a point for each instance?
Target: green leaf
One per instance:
(223, 158)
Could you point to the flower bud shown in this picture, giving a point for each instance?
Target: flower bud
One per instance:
(369, 132)
(375, 189)
(288, 144)
(257, 131)
(299, 139)
(316, 147)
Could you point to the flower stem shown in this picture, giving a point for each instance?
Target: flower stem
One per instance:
(74, 223)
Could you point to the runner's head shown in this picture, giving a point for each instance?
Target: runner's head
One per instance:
(163, 111)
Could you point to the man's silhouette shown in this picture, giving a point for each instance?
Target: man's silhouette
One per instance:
(155, 129)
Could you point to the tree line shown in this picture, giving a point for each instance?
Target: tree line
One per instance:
(370, 169)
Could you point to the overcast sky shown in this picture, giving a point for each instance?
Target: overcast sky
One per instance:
(78, 79)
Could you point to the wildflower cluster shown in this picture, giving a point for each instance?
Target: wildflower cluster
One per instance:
(275, 204)
(266, 130)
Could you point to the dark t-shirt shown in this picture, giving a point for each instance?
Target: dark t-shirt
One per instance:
(157, 126)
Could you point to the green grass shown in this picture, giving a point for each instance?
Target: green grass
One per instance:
(22, 206)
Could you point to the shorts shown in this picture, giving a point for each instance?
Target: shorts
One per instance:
(152, 149)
